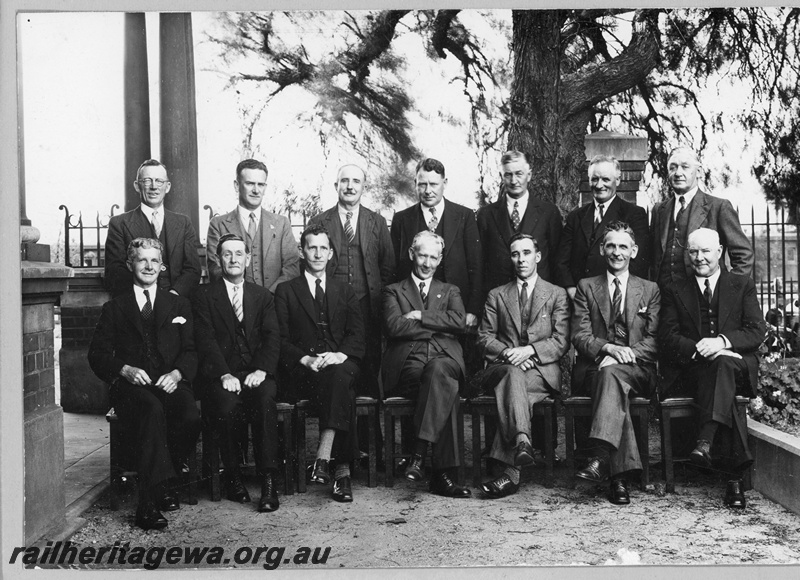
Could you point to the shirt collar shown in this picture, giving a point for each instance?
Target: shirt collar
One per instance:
(312, 281)
(418, 280)
(244, 216)
(439, 208)
(522, 201)
(230, 286)
(623, 279)
(343, 213)
(148, 211)
(605, 204)
(531, 283)
(712, 280)
(687, 197)
(138, 291)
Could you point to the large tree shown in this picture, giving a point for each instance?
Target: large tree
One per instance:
(569, 71)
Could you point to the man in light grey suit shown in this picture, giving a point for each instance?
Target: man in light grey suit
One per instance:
(614, 325)
(523, 335)
(273, 249)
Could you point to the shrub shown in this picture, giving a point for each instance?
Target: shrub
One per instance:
(778, 395)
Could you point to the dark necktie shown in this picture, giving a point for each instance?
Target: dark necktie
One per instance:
(523, 297)
(515, 219)
(147, 309)
(707, 292)
(434, 220)
(422, 294)
(348, 228)
(682, 201)
(319, 294)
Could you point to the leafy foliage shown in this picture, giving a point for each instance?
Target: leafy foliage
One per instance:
(778, 395)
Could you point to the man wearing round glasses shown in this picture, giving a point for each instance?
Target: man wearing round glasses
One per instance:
(180, 273)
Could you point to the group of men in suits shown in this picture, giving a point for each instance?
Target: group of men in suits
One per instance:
(261, 325)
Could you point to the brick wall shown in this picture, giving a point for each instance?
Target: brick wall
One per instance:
(77, 325)
(37, 352)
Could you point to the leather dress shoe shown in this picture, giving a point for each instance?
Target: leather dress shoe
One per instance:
(269, 495)
(442, 484)
(342, 491)
(149, 518)
(414, 468)
(235, 489)
(321, 473)
(499, 487)
(701, 455)
(596, 470)
(523, 455)
(618, 494)
(169, 502)
(734, 495)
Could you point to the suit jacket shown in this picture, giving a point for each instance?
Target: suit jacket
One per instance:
(592, 318)
(578, 254)
(461, 263)
(297, 320)
(706, 211)
(542, 220)
(441, 321)
(181, 250)
(547, 332)
(119, 339)
(740, 320)
(376, 245)
(215, 330)
(280, 256)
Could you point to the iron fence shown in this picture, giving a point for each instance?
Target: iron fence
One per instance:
(78, 251)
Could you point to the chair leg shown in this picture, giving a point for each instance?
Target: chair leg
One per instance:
(289, 455)
(372, 474)
(388, 425)
(569, 438)
(460, 432)
(300, 447)
(666, 449)
(549, 446)
(476, 447)
(643, 442)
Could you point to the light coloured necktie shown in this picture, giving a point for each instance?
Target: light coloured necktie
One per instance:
(348, 228)
(422, 293)
(156, 222)
(434, 220)
(251, 229)
(237, 304)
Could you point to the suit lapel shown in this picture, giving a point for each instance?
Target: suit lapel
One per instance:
(501, 220)
(410, 225)
(510, 298)
(688, 296)
(131, 310)
(726, 288)
(664, 215)
(602, 298)
(249, 309)
(366, 223)
(169, 227)
(163, 308)
(411, 292)
(539, 298)
(140, 225)
(532, 215)
(234, 225)
(334, 229)
(633, 296)
(300, 287)
(587, 222)
(333, 296)
(267, 231)
(698, 211)
(449, 227)
(223, 305)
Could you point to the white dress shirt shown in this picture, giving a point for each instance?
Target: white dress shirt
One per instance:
(244, 217)
(623, 286)
(312, 282)
(417, 282)
(687, 199)
(138, 291)
(522, 206)
(229, 288)
(353, 220)
(426, 212)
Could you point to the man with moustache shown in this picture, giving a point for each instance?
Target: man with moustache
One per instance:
(363, 257)
(273, 249)
(143, 347)
(711, 329)
(181, 265)
(579, 254)
(688, 209)
(517, 211)
(239, 342)
(424, 360)
(322, 344)
(614, 327)
(523, 335)
(461, 263)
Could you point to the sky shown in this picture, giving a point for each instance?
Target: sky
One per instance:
(73, 125)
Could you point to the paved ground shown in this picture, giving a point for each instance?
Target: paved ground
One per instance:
(407, 526)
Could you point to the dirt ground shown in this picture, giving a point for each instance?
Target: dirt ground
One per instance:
(407, 526)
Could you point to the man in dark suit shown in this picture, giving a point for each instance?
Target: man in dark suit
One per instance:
(144, 347)
(711, 329)
(322, 343)
(689, 209)
(181, 272)
(273, 249)
(579, 254)
(523, 335)
(363, 257)
(461, 263)
(517, 211)
(239, 343)
(614, 327)
(424, 360)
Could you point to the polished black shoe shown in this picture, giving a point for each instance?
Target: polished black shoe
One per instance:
(321, 473)
(442, 484)
(170, 502)
(701, 455)
(734, 495)
(596, 470)
(235, 489)
(269, 495)
(523, 454)
(499, 487)
(618, 493)
(341, 490)
(149, 518)
(414, 468)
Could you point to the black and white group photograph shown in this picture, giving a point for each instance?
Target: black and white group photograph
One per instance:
(355, 289)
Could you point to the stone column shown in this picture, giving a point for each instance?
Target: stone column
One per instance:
(629, 150)
(178, 114)
(137, 104)
(42, 286)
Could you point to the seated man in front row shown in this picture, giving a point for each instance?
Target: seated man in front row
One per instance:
(711, 329)
(423, 360)
(239, 342)
(614, 328)
(144, 347)
(322, 344)
(523, 336)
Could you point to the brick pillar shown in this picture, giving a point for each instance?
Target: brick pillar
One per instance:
(81, 390)
(629, 150)
(42, 286)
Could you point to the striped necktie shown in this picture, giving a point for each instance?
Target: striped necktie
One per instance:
(348, 228)
(237, 304)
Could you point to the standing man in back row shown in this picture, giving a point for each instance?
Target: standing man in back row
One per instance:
(272, 247)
